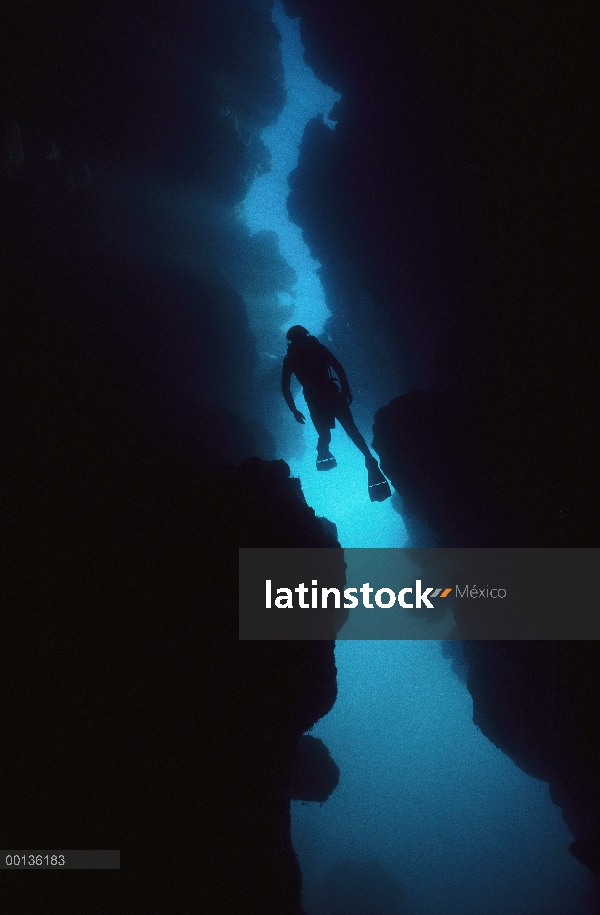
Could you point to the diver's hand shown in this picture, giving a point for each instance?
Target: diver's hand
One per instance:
(299, 417)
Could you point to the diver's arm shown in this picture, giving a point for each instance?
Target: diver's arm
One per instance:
(339, 371)
(286, 377)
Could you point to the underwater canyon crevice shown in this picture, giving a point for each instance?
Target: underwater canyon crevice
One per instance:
(136, 423)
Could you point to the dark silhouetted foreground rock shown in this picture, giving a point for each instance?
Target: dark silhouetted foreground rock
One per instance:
(316, 774)
(537, 702)
(144, 723)
(134, 719)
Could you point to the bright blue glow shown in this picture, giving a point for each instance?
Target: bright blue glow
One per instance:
(427, 795)
(342, 495)
(265, 206)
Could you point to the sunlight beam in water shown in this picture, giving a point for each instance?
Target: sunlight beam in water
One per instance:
(341, 494)
(265, 204)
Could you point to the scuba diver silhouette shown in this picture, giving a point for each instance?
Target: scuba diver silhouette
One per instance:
(313, 365)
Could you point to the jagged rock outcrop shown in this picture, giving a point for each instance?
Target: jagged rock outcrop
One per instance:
(461, 477)
(316, 774)
(539, 703)
(156, 731)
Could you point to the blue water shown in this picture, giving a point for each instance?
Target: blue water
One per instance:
(427, 796)
(423, 795)
(265, 204)
(342, 495)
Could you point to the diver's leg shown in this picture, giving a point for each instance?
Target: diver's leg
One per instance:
(325, 459)
(321, 421)
(324, 440)
(379, 488)
(347, 423)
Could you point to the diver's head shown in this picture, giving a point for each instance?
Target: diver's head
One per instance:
(297, 332)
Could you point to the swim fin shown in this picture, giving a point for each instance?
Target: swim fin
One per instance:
(379, 488)
(325, 460)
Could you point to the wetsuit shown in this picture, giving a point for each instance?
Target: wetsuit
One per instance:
(311, 363)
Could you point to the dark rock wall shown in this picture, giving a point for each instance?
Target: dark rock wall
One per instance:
(133, 718)
(538, 702)
(130, 136)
